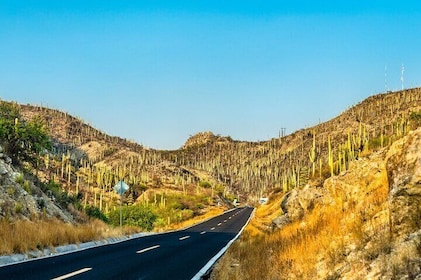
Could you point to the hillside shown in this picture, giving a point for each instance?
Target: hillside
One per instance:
(75, 179)
(255, 169)
(363, 223)
(87, 161)
(383, 114)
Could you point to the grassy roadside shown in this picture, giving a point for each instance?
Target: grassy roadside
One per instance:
(25, 235)
(316, 247)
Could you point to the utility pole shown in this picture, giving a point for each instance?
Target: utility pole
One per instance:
(385, 78)
(282, 132)
(402, 75)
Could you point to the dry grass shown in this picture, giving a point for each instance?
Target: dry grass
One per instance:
(24, 235)
(292, 252)
(315, 247)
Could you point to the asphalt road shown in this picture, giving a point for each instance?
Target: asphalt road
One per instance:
(174, 255)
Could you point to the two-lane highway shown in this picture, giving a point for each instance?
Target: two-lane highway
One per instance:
(174, 255)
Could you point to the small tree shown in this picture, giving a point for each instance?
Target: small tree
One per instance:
(135, 215)
(21, 140)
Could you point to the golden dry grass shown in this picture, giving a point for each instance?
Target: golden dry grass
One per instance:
(313, 247)
(24, 235)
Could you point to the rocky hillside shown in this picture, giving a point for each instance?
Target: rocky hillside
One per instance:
(22, 198)
(256, 169)
(364, 223)
(87, 163)
(346, 192)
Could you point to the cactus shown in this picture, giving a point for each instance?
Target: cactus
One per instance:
(312, 154)
(330, 156)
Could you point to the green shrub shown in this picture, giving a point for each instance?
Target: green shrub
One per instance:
(415, 120)
(22, 140)
(94, 212)
(62, 197)
(18, 208)
(27, 187)
(11, 191)
(186, 214)
(134, 215)
(205, 184)
(19, 179)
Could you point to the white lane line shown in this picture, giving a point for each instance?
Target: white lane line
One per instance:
(203, 232)
(219, 224)
(225, 221)
(212, 228)
(229, 218)
(73, 273)
(184, 237)
(148, 249)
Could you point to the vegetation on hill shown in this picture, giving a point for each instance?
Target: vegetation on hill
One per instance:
(76, 166)
(170, 188)
(22, 140)
(362, 224)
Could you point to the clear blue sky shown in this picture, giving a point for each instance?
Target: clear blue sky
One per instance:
(159, 71)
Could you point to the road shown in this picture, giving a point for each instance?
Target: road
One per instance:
(174, 255)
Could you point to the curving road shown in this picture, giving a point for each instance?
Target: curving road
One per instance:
(175, 255)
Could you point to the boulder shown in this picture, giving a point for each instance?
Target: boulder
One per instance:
(281, 221)
(300, 201)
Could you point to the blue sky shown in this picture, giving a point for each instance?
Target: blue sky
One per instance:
(157, 72)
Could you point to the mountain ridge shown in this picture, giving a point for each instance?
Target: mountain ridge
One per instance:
(213, 169)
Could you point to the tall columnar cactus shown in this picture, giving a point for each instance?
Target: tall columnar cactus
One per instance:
(47, 160)
(312, 154)
(330, 156)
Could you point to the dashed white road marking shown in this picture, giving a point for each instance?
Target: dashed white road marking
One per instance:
(229, 218)
(225, 221)
(148, 249)
(73, 273)
(203, 232)
(219, 224)
(184, 237)
(213, 228)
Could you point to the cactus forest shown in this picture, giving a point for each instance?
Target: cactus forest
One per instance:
(209, 169)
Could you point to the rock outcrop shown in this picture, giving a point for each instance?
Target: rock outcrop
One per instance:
(21, 199)
(380, 198)
(404, 174)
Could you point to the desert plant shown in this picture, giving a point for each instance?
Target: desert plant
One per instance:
(21, 140)
(94, 212)
(137, 215)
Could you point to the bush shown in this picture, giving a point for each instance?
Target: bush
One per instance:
(27, 187)
(18, 208)
(61, 197)
(205, 184)
(415, 120)
(19, 179)
(94, 212)
(21, 140)
(135, 215)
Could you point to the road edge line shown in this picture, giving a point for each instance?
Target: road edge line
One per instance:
(213, 260)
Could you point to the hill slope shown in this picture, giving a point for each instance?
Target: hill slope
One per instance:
(208, 171)
(361, 224)
(239, 168)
